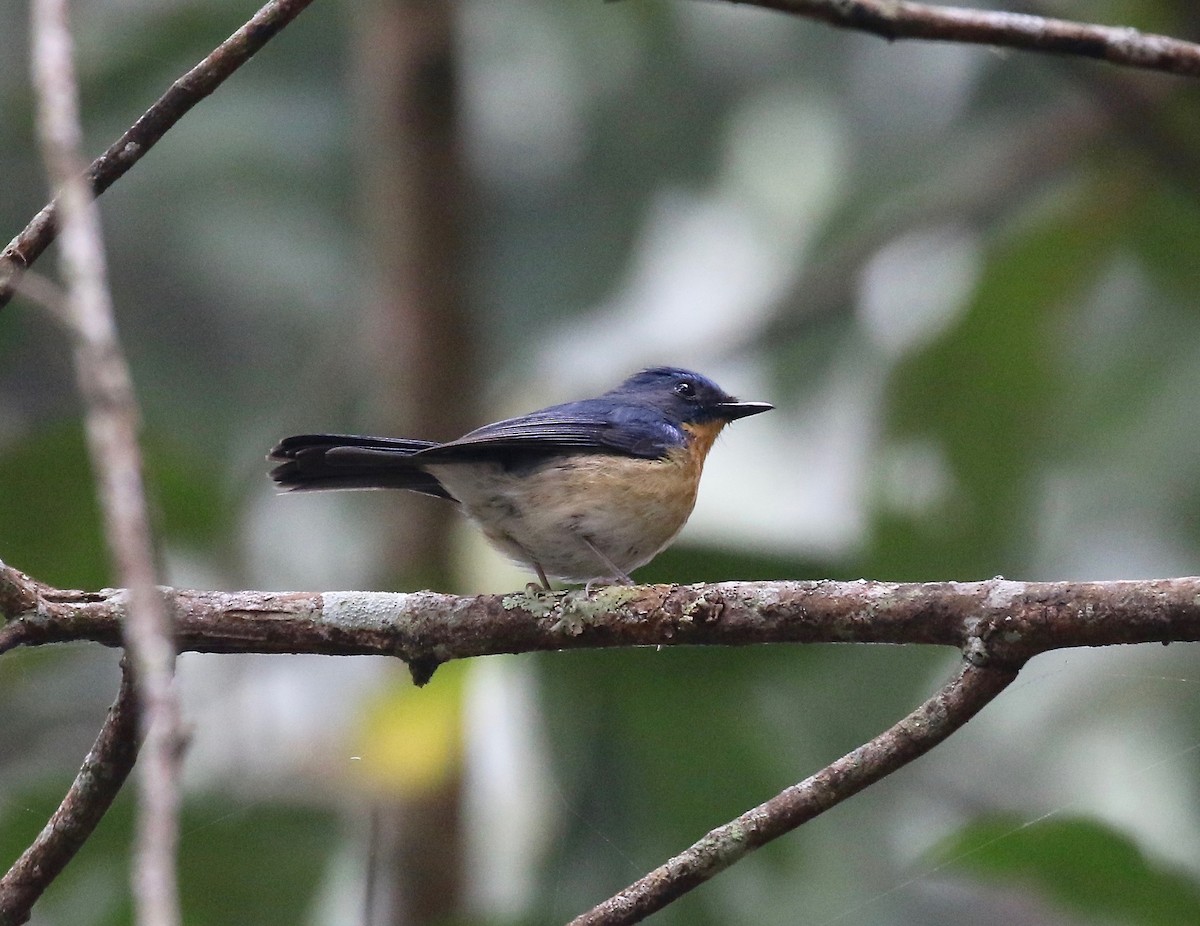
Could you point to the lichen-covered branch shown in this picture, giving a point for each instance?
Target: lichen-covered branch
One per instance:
(998, 621)
(912, 737)
(103, 773)
(140, 137)
(900, 19)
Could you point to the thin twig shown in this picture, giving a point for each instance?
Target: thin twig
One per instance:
(912, 737)
(104, 771)
(900, 19)
(112, 420)
(139, 138)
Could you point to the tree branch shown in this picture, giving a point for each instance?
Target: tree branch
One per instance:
(111, 419)
(899, 19)
(912, 737)
(139, 138)
(103, 773)
(997, 622)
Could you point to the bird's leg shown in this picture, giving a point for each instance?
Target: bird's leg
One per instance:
(531, 588)
(538, 588)
(617, 575)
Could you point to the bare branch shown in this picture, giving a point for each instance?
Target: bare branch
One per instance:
(112, 419)
(912, 737)
(103, 773)
(19, 594)
(993, 622)
(139, 138)
(900, 19)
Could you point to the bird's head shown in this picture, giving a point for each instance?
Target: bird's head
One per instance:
(688, 398)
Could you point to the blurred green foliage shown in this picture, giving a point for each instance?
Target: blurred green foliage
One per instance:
(249, 864)
(49, 510)
(987, 395)
(1081, 865)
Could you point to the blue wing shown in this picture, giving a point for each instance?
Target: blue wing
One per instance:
(593, 424)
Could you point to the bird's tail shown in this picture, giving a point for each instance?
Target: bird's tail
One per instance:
(308, 462)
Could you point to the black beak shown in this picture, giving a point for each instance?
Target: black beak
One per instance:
(731, 411)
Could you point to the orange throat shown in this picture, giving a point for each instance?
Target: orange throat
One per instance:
(700, 440)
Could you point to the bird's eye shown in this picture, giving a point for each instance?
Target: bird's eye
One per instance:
(685, 389)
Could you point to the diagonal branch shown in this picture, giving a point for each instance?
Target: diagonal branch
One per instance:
(140, 137)
(104, 771)
(915, 735)
(900, 19)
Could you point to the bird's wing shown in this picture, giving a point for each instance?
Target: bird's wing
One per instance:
(588, 425)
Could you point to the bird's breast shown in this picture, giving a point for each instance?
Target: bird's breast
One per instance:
(627, 507)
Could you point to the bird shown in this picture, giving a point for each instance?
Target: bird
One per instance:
(586, 491)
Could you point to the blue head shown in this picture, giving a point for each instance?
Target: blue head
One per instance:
(686, 397)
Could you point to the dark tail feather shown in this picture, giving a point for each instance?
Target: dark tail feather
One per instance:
(308, 462)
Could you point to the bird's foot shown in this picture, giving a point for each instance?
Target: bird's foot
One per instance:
(621, 579)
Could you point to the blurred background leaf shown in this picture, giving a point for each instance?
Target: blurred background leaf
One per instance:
(1082, 866)
(245, 864)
